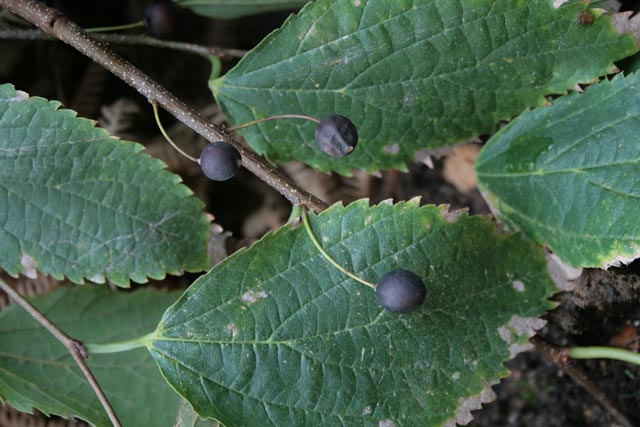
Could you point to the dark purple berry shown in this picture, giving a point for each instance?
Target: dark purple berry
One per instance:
(220, 161)
(400, 291)
(159, 16)
(336, 135)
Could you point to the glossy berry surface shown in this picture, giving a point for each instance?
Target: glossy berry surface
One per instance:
(159, 17)
(336, 135)
(400, 291)
(220, 161)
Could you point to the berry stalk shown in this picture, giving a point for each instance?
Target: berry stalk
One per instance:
(115, 27)
(307, 227)
(166, 135)
(56, 24)
(279, 116)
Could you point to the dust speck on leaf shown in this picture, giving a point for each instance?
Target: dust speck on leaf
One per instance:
(368, 220)
(518, 286)
(366, 410)
(392, 149)
(29, 267)
(232, 329)
(250, 297)
(585, 18)
(386, 423)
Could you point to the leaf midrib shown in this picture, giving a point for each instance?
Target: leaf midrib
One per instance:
(565, 231)
(479, 62)
(543, 172)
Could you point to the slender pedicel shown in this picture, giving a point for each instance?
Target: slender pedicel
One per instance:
(279, 116)
(115, 27)
(307, 226)
(166, 136)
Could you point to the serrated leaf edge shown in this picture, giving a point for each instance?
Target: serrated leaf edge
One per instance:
(134, 147)
(401, 164)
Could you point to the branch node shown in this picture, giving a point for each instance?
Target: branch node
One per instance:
(53, 18)
(81, 349)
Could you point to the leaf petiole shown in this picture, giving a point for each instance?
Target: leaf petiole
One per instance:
(604, 353)
(117, 347)
(307, 227)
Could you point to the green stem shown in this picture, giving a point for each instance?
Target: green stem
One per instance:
(280, 116)
(604, 353)
(296, 211)
(117, 347)
(115, 27)
(307, 226)
(216, 68)
(166, 135)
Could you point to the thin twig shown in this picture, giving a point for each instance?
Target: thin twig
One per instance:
(74, 347)
(129, 39)
(560, 356)
(56, 24)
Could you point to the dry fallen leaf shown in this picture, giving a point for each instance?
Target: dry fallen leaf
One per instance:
(626, 338)
(458, 168)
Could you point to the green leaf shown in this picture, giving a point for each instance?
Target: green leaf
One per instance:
(276, 336)
(37, 371)
(228, 9)
(84, 205)
(411, 74)
(569, 175)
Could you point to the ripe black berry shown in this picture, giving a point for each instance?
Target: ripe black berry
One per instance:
(220, 161)
(159, 16)
(336, 135)
(400, 291)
